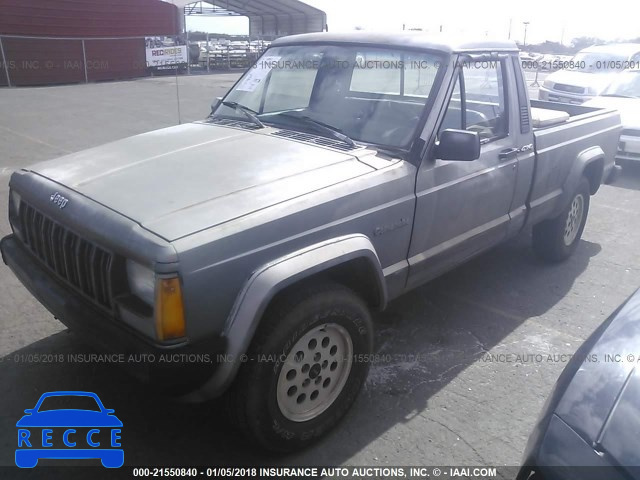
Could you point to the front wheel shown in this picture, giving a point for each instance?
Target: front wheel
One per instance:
(306, 365)
(556, 239)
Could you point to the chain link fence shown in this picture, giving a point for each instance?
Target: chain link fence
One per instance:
(29, 60)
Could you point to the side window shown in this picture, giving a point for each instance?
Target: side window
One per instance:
(481, 105)
(486, 109)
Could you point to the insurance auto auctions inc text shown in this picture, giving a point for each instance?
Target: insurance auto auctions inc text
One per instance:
(359, 472)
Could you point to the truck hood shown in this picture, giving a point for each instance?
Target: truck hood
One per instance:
(595, 80)
(183, 179)
(629, 109)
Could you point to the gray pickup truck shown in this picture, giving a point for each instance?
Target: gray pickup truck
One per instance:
(338, 173)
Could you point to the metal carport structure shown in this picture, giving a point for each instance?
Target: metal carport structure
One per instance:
(268, 19)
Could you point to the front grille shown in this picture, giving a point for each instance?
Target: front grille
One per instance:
(81, 264)
(568, 88)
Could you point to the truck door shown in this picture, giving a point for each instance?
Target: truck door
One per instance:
(462, 207)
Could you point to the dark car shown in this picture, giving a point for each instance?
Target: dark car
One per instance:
(590, 425)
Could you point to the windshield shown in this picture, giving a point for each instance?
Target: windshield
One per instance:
(626, 84)
(67, 402)
(599, 62)
(369, 94)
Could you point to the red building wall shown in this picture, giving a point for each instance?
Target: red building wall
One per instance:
(59, 58)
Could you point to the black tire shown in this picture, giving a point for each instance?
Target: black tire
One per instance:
(550, 242)
(253, 399)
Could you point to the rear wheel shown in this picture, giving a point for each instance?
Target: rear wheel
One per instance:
(556, 239)
(303, 372)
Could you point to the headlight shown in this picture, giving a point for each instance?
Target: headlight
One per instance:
(548, 84)
(142, 282)
(593, 91)
(14, 204)
(14, 212)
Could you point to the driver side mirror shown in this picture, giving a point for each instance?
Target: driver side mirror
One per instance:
(215, 104)
(460, 145)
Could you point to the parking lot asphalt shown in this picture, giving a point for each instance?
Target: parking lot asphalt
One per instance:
(442, 392)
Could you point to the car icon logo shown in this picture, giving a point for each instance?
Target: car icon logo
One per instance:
(53, 430)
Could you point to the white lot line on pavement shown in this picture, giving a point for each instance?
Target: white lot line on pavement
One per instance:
(35, 140)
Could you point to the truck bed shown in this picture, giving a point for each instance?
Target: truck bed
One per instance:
(575, 112)
(587, 131)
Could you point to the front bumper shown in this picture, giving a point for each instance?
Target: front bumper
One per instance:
(562, 97)
(628, 149)
(175, 369)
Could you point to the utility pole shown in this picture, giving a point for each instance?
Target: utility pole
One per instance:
(526, 24)
(510, 22)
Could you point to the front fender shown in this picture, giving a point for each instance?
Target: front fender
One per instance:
(272, 278)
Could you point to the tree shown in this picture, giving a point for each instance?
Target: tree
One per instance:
(584, 42)
(550, 47)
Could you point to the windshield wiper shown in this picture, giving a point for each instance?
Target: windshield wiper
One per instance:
(321, 127)
(250, 114)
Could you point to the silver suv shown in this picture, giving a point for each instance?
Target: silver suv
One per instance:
(589, 73)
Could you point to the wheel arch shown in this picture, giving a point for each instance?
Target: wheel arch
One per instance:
(349, 260)
(594, 171)
(590, 164)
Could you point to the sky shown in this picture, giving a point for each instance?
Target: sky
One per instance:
(555, 20)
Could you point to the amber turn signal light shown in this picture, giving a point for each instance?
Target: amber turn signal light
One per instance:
(169, 309)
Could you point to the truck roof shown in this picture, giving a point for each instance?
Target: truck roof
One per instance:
(420, 40)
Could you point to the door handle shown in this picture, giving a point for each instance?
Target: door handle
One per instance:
(508, 154)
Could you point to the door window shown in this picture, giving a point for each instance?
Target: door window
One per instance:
(478, 102)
